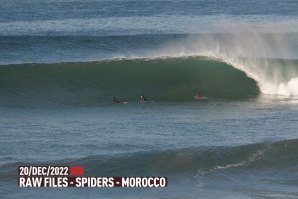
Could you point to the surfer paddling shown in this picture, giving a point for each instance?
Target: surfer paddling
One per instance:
(115, 101)
(143, 99)
(200, 97)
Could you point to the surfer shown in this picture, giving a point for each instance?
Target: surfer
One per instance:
(200, 97)
(115, 100)
(142, 98)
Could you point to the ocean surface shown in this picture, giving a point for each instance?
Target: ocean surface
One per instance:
(62, 62)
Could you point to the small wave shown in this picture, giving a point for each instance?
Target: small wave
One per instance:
(260, 156)
(281, 155)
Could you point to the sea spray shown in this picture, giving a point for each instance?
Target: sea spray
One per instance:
(250, 52)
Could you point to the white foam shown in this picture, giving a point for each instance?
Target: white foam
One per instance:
(270, 82)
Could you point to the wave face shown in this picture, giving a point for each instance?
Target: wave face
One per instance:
(164, 79)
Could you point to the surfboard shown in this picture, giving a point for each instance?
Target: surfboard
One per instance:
(147, 101)
(200, 97)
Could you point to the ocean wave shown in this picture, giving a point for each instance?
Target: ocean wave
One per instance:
(160, 79)
(201, 161)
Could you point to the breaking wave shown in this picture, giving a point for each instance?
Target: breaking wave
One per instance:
(161, 79)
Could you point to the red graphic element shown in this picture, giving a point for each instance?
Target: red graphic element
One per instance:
(77, 170)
